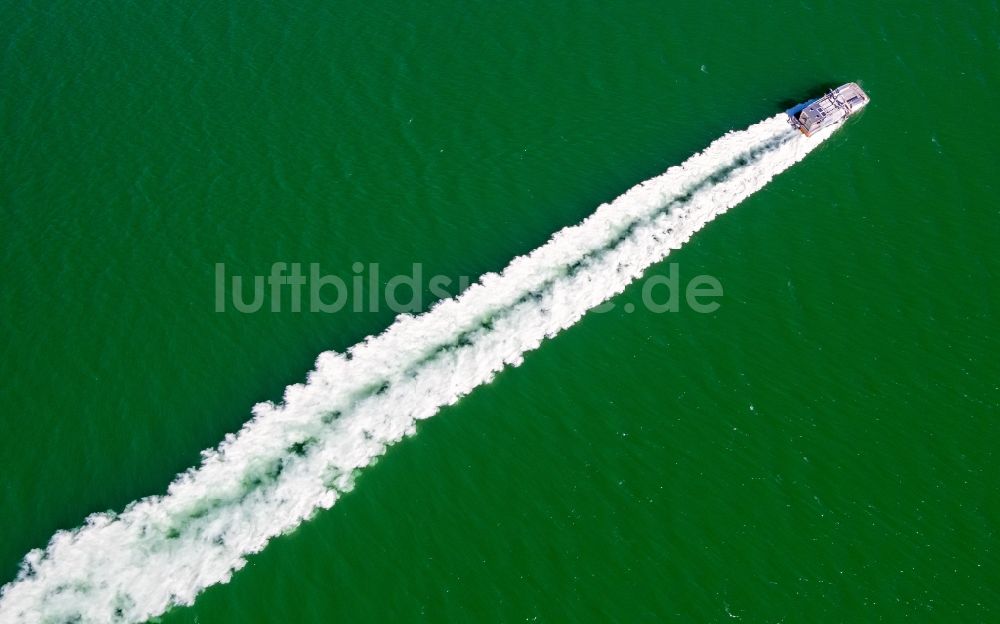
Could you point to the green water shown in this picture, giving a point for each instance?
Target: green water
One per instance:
(821, 448)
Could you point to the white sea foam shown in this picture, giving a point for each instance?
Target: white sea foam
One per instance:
(293, 459)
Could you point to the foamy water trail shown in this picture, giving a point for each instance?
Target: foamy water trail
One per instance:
(292, 459)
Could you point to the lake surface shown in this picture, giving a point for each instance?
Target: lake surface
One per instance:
(820, 448)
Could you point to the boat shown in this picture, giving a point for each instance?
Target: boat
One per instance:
(831, 109)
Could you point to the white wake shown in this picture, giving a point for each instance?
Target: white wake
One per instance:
(293, 459)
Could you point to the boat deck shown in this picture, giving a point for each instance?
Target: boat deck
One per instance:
(828, 110)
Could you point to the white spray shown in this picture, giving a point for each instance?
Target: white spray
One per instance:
(293, 459)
